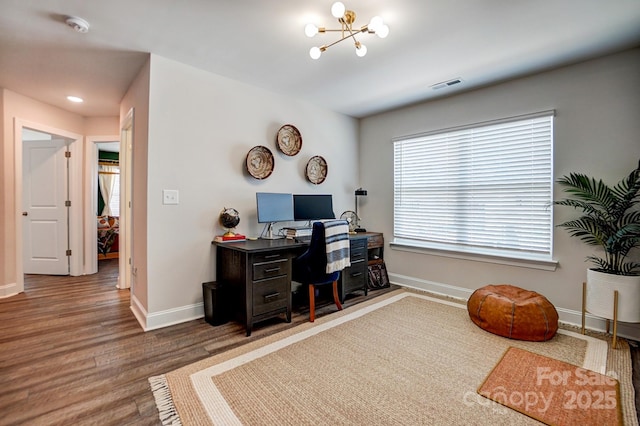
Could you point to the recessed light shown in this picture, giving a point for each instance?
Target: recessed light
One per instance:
(75, 99)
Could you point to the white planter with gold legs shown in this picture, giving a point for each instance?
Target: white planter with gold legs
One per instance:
(613, 297)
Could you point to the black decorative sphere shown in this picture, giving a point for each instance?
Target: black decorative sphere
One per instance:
(229, 218)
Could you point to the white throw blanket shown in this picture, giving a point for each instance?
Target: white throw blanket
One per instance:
(336, 234)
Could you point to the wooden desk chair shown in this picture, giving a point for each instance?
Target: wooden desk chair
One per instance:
(326, 257)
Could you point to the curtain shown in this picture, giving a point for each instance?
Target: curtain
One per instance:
(107, 179)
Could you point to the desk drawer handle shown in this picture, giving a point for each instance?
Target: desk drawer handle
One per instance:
(268, 297)
(268, 271)
(357, 274)
(271, 256)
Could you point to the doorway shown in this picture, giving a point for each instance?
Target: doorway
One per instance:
(92, 160)
(108, 212)
(125, 243)
(74, 176)
(45, 203)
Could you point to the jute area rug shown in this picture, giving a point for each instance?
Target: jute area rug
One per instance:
(399, 359)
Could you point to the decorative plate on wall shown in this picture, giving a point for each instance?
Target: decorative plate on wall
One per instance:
(260, 162)
(289, 140)
(316, 170)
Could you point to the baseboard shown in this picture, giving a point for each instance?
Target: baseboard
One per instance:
(430, 286)
(138, 311)
(567, 316)
(8, 290)
(626, 330)
(156, 320)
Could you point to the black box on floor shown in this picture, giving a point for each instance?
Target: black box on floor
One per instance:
(215, 303)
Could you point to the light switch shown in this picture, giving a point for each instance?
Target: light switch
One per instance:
(169, 196)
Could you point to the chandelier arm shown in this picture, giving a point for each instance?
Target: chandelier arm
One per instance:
(364, 29)
(327, 30)
(342, 39)
(352, 34)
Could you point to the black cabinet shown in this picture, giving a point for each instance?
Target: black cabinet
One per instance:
(216, 305)
(258, 276)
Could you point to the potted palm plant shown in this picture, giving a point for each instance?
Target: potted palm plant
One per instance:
(610, 220)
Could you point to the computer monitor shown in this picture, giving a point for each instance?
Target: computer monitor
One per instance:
(313, 207)
(273, 207)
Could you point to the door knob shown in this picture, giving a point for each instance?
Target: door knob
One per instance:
(25, 214)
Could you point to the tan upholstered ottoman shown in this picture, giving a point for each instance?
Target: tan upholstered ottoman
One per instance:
(513, 312)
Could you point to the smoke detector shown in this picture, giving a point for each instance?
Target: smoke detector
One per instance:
(78, 24)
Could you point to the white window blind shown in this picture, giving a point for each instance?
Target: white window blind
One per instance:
(484, 189)
(114, 203)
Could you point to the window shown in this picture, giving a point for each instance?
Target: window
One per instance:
(483, 189)
(109, 184)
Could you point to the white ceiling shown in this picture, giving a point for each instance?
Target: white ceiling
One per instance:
(262, 43)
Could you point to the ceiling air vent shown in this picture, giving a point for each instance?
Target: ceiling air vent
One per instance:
(448, 83)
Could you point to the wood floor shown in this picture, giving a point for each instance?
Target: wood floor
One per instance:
(72, 353)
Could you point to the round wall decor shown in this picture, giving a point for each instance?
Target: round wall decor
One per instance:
(289, 140)
(260, 162)
(316, 170)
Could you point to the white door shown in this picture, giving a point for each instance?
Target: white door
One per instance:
(45, 215)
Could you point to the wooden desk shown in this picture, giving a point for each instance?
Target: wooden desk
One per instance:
(375, 247)
(258, 273)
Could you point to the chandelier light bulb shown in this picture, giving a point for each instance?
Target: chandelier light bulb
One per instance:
(315, 52)
(375, 23)
(383, 31)
(310, 30)
(361, 50)
(338, 9)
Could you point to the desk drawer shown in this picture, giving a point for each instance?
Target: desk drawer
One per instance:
(270, 269)
(269, 257)
(375, 241)
(270, 295)
(354, 277)
(358, 250)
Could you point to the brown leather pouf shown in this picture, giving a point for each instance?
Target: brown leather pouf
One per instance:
(513, 312)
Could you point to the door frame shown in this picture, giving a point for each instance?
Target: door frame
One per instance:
(75, 195)
(91, 200)
(125, 265)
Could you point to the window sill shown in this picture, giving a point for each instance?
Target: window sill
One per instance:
(488, 257)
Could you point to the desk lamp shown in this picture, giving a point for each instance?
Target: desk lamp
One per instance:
(362, 193)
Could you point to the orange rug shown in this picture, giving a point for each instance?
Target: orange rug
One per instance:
(553, 392)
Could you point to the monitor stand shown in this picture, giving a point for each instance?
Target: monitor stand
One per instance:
(267, 232)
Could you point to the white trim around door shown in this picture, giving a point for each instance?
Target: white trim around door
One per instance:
(75, 195)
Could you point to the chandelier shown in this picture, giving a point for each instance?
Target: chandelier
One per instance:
(346, 19)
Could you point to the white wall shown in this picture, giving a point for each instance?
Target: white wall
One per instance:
(597, 130)
(201, 127)
(137, 99)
